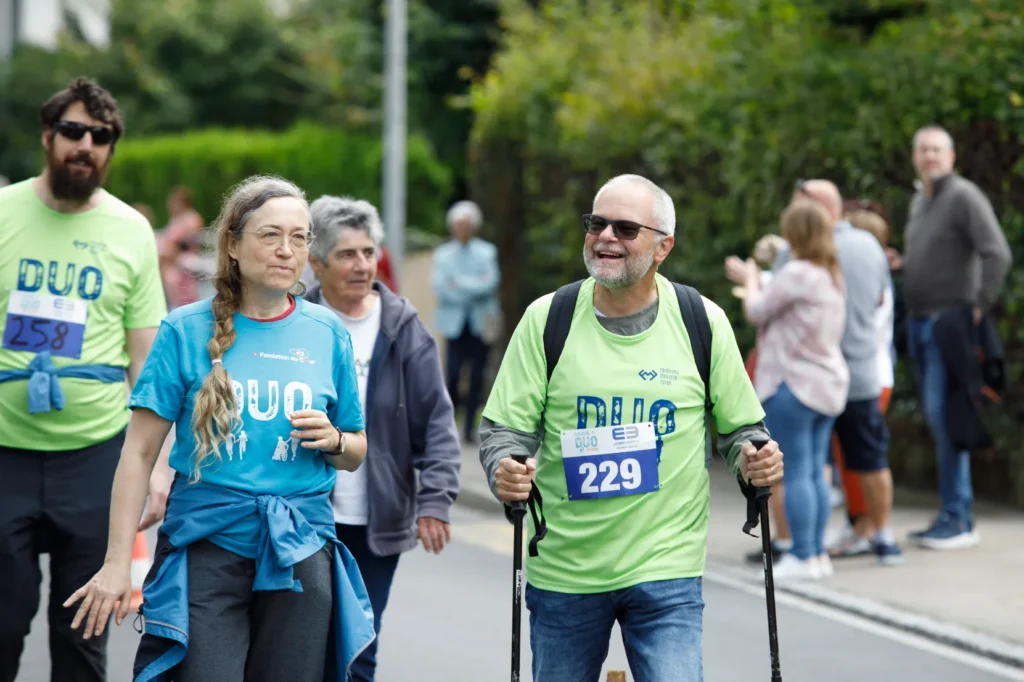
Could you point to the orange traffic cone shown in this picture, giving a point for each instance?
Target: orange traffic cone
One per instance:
(140, 568)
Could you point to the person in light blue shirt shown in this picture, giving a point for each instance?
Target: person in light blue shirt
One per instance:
(260, 387)
(466, 278)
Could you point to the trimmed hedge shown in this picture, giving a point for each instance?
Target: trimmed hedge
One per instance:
(320, 159)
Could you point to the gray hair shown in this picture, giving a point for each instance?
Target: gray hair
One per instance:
(331, 215)
(663, 209)
(933, 128)
(465, 210)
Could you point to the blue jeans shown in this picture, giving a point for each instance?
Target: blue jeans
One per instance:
(662, 630)
(378, 574)
(954, 466)
(803, 436)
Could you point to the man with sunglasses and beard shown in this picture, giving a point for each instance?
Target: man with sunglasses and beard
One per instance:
(626, 536)
(80, 303)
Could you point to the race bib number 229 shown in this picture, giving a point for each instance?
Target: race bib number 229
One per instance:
(610, 461)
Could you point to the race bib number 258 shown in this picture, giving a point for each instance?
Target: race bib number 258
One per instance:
(37, 322)
(610, 461)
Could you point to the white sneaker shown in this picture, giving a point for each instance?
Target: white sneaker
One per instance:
(791, 569)
(837, 535)
(823, 567)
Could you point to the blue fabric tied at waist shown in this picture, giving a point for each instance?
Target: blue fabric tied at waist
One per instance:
(44, 390)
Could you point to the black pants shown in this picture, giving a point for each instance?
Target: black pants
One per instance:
(237, 635)
(55, 503)
(378, 573)
(467, 348)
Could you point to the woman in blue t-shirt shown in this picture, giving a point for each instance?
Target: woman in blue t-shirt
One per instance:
(260, 387)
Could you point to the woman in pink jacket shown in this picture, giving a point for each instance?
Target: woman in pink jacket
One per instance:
(801, 376)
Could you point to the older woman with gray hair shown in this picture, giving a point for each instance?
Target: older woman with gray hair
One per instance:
(466, 278)
(410, 422)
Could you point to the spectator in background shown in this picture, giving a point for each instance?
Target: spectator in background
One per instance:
(466, 277)
(179, 242)
(861, 429)
(147, 212)
(766, 252)
(956, 255)
(801, 376)
(869, 493)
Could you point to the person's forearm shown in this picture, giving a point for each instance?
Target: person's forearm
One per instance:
(127, 500)
(355, 453)
(498, 442)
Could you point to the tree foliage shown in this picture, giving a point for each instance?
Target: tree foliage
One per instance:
(231, 63)
(726, 103)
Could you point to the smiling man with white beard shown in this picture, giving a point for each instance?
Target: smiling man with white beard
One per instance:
(612, 435)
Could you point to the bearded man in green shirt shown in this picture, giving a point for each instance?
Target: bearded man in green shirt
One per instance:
(616, 444)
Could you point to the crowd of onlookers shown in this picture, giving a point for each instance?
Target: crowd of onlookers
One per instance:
(824, 298)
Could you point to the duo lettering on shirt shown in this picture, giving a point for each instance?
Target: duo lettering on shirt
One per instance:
(88, 282)
(660, 407)
(247, 399)
(602, 460)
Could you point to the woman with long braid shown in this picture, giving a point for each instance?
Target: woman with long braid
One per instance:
(261, 389)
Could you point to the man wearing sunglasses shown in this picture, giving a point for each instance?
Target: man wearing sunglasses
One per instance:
(615, 443)
(80, 301)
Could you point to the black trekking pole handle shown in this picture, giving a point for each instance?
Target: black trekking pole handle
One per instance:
(761, 496)
(518, 513)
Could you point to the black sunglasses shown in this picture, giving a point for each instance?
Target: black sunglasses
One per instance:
(101, 135)
(624, 230)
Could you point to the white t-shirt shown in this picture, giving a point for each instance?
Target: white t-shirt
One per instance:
(884, 317)
(351, 497)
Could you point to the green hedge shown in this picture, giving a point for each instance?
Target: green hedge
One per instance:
(319, 159)
(726, 104)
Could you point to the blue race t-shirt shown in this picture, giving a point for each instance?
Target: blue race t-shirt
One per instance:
(301, 361)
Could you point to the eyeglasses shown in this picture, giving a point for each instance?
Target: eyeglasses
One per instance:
(624, 230)
(73, 130)
(271, 239)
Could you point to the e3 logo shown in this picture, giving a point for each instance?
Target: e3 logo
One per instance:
(625, 432)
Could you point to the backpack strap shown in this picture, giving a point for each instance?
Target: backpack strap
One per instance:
(698, 328)
(556, 329)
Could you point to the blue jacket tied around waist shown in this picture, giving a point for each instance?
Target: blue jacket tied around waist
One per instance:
(44, 391)
(291, 530)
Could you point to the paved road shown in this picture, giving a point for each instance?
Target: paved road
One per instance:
(449, 621)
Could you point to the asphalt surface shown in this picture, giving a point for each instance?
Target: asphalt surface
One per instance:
(449, 620)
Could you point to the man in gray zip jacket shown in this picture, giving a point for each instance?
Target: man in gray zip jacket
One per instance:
(955, 254)
(410, 423)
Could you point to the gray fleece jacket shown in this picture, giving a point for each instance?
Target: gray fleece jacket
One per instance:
(410, 427)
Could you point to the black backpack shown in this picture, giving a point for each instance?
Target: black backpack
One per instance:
(556, 331)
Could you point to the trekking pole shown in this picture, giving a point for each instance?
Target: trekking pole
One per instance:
(762, 496)
(518, 514)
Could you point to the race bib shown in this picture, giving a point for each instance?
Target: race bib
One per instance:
(610, 461)
(37, 322)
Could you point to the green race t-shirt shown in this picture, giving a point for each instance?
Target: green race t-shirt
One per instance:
(98, 267)
(602, 379)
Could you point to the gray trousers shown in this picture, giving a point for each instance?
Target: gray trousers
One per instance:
(237, 635)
